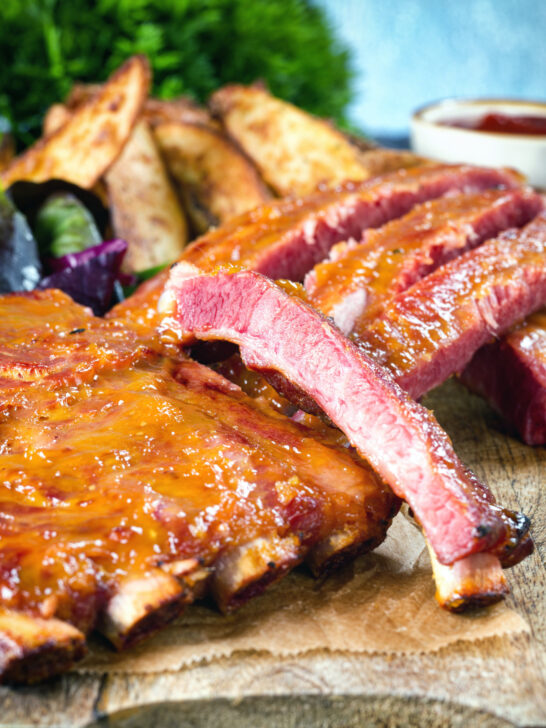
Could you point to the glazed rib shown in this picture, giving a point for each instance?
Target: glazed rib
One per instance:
(354, 284)
(280, 334)
(433, 329)
(511, 375)
(45, 337)
(286, 238)
(151, 483)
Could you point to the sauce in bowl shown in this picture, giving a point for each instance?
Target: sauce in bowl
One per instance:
(501, 124)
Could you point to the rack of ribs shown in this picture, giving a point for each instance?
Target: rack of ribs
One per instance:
(133, 484)
(473, 218)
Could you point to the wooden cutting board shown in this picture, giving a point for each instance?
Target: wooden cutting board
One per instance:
(495, 683)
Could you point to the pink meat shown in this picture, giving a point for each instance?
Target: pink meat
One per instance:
(354, 284)
(278, 332)
(511, 375)
(286, 238)
(433, 329)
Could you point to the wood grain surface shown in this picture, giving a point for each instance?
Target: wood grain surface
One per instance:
(495, 683)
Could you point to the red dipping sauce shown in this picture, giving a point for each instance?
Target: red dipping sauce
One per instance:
(502, 124)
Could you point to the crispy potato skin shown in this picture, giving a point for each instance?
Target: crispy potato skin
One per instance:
(144, 206)
(56, 117)
(294, 151)
(216, 179)
(88, 143)
(155, 110)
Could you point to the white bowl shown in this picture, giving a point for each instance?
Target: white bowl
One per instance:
(526, 153)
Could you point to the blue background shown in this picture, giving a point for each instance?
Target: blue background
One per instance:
(407, 53)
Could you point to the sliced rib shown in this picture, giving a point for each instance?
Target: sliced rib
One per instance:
(286, 238)
(433, 329)
(511, 375)
(279, 333)
(353, 285)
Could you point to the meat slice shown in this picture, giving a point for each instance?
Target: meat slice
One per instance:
(355, 283)
(433, 329)
(279, 333)
(511, 375)
(146, 486)
(286, 238)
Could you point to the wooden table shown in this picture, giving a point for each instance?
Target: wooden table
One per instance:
(496, 683)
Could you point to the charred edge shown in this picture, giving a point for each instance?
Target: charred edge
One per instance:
(473, 582)
(460, 603)
(44, 661)
(33, 649)
(523, 549)
(141, 607)
(245, 571)
(338, 549)
(518, 543)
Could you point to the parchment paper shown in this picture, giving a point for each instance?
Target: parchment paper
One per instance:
(383, 602)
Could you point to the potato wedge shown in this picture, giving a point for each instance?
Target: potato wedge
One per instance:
(144, 207)
(216, 179)
(81, 93)
(180, 109)
(155, 110)
(85, 146)
(294, 151)
(55, 117)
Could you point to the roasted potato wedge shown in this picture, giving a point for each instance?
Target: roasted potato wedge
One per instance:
(294, 151)
(177, 110)
(216, 179)
(55, 117)
(83, 148)
(144, 206)
(81, 93)
(155, 110)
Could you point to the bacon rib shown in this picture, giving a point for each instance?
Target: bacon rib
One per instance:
(511, 375)
(279, 333)
(286, 238)
(354, 284)
(433, 329)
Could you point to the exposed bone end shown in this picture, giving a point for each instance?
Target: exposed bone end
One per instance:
(245, 571)
(33, 649)
(194, 576)
(476, 581)
(141, 606)
(340, 547)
